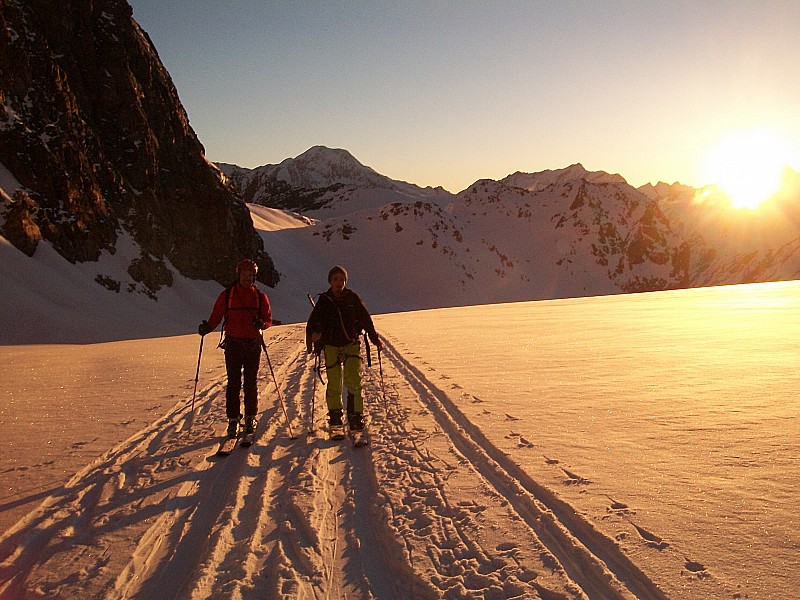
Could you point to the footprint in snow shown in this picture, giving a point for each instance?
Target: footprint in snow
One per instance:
(551, 461)
(652, 539)
(574, 479)
(511, 417)
(619, 508)
(693, 566)
(506, 546)
(617, 505)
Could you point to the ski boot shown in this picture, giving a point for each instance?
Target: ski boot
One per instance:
(356, 421)
(335, 417)
(335, 424)
(233, 428)
(250, 424)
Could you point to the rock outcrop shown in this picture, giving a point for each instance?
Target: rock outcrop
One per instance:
(92, 129)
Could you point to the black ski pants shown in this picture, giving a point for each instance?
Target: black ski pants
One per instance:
(242, 356)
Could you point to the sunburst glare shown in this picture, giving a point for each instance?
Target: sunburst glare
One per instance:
(748, 166)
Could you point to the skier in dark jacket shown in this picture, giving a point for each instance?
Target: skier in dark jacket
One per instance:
(338, 318)
(247, 313)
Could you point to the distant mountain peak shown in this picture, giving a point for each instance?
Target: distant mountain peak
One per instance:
(322, 153)
(320, 177)
(534, 182)
(321, 167)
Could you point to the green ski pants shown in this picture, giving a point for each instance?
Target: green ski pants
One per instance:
(343, 363)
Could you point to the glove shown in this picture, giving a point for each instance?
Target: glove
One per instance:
(204, 328)
(377, 342)
(259, 324)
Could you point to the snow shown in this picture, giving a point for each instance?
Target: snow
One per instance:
(607, 447)
(8, 183)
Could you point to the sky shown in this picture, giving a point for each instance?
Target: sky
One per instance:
(446, 93)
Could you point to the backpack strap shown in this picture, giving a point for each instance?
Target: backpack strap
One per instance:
(228, 289)
(228, 307)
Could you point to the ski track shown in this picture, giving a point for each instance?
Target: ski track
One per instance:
(430, 509)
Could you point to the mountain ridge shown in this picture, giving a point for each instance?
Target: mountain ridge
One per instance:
(110, 211)
(99, 148)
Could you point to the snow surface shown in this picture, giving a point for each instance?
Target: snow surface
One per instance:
(609, 447)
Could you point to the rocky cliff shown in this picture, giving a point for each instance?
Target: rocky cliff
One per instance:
(93, 132)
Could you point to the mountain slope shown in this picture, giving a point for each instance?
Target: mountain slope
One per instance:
(328, 182)
(555, 234)
(99, 149)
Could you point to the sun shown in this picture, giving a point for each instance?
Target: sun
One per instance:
(748, 166)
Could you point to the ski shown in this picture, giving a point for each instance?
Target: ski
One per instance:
(248, 434)
(360, 437)
(337, 432)
(228, 443)
(226, 446)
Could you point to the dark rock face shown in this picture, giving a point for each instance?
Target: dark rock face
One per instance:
(92, 128)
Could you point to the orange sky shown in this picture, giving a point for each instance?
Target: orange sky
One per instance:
(443, 93)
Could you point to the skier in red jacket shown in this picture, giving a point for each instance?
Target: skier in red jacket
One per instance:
(247, 312)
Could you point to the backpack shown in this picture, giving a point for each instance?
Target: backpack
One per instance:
(228, 294)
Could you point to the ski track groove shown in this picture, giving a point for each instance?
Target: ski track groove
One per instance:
(454, 553)
(584, 552)
(430, 509)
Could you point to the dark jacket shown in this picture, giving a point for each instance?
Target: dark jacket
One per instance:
(340, 320)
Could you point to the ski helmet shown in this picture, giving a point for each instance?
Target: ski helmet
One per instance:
(246, 265)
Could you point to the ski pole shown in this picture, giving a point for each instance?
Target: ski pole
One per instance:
(278, 389)
(380, 369)
(316, 369)
(314, 390)
(197, 375)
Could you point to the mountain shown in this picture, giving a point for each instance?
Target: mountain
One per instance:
(326, 181)
(98, 158)
(110, 213)
(554, 234)
(734, 246)
(533, 182)
(591, 232)
(491, 243)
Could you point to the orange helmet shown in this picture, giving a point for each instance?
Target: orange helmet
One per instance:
(246, 265)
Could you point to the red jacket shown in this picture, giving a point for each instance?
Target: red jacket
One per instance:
(239, 306)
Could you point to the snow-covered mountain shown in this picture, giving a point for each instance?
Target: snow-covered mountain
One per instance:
(734, 246)
(554, 234)
(533, 182)
(326, 181)
(492, 243)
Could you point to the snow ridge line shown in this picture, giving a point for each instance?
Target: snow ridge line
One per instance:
(589, 557)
